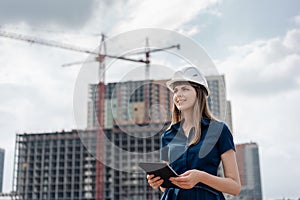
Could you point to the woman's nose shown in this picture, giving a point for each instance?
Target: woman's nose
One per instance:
(178, 94)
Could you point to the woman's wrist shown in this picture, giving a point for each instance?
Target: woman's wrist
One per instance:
(201, 176)
(162, 189)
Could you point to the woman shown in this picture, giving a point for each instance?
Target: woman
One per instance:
(196, 143)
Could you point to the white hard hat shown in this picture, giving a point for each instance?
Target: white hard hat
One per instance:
(188, 74)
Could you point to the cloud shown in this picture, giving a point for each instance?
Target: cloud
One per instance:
(38, 13)
(189, 32)
(160, 14)
(292, 41)
(265, 67)
(34, 86)
(296, 20)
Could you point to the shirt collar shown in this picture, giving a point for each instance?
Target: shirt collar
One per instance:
(204, 122)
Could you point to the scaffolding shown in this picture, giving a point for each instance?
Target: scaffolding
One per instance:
(54, 166)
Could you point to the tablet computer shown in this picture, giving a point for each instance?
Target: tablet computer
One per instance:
(160, 169)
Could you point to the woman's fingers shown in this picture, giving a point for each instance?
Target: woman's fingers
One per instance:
(180, 179)
(153, 181)
(156, 184)
(150, 176)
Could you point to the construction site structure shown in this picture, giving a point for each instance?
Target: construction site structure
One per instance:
(58, 166)
(126, 102)
(54, 165)
(11, 195)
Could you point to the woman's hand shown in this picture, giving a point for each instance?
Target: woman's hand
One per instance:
(154, 181)
(188, 179)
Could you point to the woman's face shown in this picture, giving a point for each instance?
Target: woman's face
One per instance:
(184, 97)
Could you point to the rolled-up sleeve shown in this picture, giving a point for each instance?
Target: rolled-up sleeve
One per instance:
(225, 141)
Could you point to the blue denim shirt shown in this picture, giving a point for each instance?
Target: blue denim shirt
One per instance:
(205, 155)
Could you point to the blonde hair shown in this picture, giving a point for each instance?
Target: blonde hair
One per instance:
(201, 109)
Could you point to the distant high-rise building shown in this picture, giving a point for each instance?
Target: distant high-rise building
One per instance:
(2, 155)
(249, 170)
(132, 102)
(218, 103)
(228, 115)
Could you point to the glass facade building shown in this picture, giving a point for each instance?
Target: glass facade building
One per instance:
(249, 170)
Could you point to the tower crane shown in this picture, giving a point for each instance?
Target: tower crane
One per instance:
(100, 57)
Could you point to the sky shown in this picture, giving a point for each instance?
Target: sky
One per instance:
(255, 44)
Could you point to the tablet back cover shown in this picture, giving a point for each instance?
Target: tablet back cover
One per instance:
(160, 169)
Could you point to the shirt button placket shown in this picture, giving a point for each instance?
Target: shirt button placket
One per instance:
(186, 154)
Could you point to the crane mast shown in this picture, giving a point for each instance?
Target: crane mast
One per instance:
(100, 153)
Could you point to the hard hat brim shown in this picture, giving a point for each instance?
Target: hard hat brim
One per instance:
(171, 82)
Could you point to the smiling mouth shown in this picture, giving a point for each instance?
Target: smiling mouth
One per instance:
(180, 101)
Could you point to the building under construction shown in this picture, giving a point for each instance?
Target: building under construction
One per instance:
(132, 102)
(54, 166)
(58, 165)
